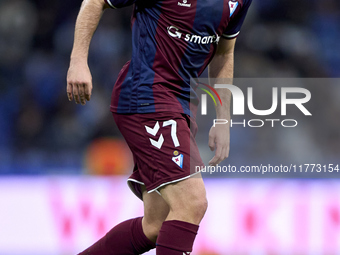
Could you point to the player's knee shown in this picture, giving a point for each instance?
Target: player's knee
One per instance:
(204, 205)
(187, 200)
(151, 228)
(199, 207)
(199, 202)
(154, 231)
(192, 210)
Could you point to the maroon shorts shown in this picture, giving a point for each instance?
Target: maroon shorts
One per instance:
(163, 147)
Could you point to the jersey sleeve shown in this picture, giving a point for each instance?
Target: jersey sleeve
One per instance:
(119, 3)
(235, 24)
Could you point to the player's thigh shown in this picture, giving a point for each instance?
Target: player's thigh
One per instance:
(155, 208)
(187, 197)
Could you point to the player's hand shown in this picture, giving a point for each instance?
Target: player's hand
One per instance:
(219, 140)
(79, 82)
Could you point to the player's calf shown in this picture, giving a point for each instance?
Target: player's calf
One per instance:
(127, 238)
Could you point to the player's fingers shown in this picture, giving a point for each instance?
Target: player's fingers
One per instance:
(218, 155)
(76, 93)
(227, 150)
(69, 91)
(211, 143)
(221, 156)
(88, 91)
(213, 161)
(81, 89)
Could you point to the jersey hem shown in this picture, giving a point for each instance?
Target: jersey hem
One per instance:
(134, 191)
(157, 185)
(160, 184)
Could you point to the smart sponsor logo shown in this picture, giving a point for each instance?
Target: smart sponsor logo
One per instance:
(192, 38)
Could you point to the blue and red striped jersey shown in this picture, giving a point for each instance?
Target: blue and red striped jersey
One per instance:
(172, 42)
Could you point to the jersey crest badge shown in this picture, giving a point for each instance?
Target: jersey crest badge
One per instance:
(178, 160)
(232, 7)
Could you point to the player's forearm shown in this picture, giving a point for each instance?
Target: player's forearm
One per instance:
(221, 71)
(87, 22)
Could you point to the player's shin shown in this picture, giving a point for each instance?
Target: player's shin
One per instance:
(176, 238)
(127, 238)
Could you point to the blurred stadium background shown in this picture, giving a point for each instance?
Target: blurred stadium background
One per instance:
(63, 166)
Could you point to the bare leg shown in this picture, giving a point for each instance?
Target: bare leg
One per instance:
(186, 199)
(188, 204)
(155, 212)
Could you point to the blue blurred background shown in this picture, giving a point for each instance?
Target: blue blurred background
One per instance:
(42, 133)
